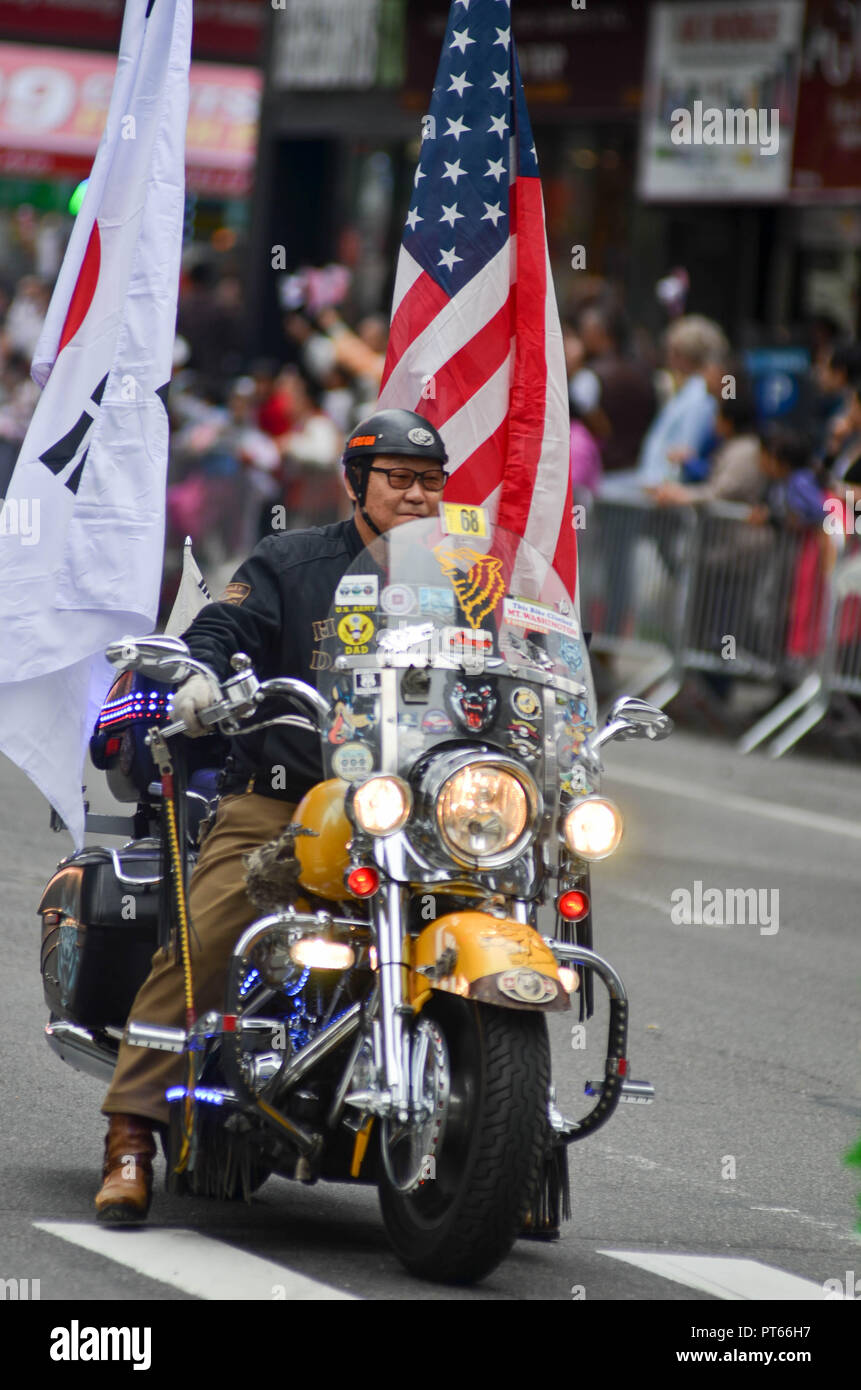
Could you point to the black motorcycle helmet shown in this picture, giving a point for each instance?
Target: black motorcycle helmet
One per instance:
(388, 432)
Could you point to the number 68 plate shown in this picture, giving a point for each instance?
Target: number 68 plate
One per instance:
(459, 520)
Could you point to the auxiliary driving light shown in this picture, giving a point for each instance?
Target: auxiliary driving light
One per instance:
(316, 953)
(381, 806)
(593, 828)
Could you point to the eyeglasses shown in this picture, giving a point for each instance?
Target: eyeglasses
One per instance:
(431, 479)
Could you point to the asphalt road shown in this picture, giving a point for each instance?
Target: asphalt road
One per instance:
(749, 1035)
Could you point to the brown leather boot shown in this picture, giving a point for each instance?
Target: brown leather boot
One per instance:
(126, 1192)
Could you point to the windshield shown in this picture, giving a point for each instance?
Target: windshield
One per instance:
(452, 628)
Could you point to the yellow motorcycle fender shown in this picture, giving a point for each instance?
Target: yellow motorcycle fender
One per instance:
(494, 959)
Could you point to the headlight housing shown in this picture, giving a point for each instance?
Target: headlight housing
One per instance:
(486, 812)
(593, 827)
(381, 805)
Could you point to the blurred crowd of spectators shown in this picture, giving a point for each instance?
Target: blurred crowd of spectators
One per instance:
(255, 443)
(692, 430)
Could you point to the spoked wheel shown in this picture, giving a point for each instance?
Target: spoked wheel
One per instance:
(453, 1210)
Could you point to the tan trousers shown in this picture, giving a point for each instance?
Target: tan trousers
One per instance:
(219, 910)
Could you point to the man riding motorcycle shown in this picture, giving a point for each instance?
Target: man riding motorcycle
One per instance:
(275, 610)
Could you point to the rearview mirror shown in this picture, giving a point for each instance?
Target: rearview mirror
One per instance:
(640, 719)
(630, 717)
(161, 658)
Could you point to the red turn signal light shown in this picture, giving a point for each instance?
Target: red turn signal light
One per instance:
(363, 882)
(573, 905)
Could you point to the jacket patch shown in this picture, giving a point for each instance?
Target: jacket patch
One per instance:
(235, 593)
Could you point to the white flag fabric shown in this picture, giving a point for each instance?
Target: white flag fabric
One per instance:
(82, 529)
(192, 594)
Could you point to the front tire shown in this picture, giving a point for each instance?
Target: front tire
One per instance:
(463, 1221)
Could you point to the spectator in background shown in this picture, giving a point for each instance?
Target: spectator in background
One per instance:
(795, 492)
(311, 451)
(18, 397)
(274, 414)
(833, 391)
(735, 474)
(687, 419)
(585, 453)
(627, 395)
(26, 316)
(843, 445)
(231, 470)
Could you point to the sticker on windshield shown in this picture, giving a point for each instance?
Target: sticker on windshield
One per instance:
(480, 588)
(539, 617)
(398, 599)
(356, 631)
(459, 641)
(525, 702)
(436, 721)
(367, 682)
(347, 722)
(436, 599)
(464, 521)
(352, 760)
(357, 591)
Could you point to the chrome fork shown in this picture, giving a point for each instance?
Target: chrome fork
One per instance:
(394, 1042)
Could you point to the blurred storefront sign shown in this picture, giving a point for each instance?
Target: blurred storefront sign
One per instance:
(575, 62)
(711, 60)
(325, 44)
(224, 30)
(54, 103)
(827, 162)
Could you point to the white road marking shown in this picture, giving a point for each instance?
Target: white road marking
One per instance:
(196, 1264)
(732, 1279)
(751, 805)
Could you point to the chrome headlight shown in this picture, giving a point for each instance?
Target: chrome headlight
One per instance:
(381, 805)
(485, 812)
(593, 828)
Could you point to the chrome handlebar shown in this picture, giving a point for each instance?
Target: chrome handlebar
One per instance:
(243, 693)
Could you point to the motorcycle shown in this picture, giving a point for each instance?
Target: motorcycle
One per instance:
(384, 1016)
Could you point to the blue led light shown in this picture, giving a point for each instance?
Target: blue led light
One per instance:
(210, 1097)
(248, 983)
(201, 1093)
(294, 989)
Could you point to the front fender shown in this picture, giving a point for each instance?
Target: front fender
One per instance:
(474, 954)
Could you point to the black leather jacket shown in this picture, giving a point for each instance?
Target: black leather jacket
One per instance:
(274, 609)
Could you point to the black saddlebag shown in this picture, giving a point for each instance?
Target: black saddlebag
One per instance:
(99, 931)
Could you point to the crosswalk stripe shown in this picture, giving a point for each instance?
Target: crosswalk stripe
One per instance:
(724, 1277)
(198, 1265)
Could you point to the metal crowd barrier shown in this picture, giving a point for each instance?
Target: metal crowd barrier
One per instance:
(832, 680)
(701, 589)
(634, 565)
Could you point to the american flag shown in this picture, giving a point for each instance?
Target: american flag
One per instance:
(475, 343)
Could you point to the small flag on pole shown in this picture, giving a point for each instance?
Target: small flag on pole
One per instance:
(191, 596)
(90, 476)
(476, 344)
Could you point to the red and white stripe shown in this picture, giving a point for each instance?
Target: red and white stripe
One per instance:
(487, 368)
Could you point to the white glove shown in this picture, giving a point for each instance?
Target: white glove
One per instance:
(195, 694)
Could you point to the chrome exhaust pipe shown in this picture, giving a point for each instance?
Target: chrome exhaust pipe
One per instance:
(78, 1048)
(311, 1054)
